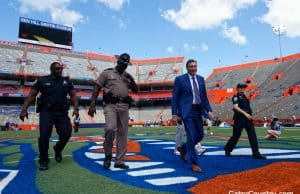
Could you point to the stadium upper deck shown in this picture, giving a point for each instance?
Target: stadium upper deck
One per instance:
(273, 87)
(19, 59)
(273, 84)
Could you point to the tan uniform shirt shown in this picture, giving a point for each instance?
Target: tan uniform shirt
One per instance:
(111, 80)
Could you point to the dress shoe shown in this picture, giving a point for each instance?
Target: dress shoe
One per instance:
(58, 156)
(182, 153)
(196, 168)
(106, 162)
(259, 157)
(122, 166)
(227, 153)
(43, 166)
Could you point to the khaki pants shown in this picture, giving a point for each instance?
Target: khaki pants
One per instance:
(116, 118)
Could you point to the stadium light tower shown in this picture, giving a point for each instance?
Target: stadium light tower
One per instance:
(279, 30)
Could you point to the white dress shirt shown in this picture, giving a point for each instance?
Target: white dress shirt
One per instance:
(191, 82)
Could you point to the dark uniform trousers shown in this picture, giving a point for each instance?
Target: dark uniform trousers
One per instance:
(239, 124)
(116, 117)
(193, 125)
(61, 121)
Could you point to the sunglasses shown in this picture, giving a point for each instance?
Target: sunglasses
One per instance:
(58, 68)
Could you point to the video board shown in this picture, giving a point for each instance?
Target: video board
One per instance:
(44, 33)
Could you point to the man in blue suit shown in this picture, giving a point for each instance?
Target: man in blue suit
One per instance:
(190, 103)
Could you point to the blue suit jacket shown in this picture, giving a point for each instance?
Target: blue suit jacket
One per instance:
(182, 98)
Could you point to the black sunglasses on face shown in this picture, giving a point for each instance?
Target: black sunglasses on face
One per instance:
(58, 68)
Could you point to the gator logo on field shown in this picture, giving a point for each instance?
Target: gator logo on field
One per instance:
(153, 165)
(17, 175)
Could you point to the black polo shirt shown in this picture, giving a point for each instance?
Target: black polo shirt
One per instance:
(243, 103)
(54, 92)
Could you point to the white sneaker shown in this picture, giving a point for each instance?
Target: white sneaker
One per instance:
(200, 151)
(176, 152)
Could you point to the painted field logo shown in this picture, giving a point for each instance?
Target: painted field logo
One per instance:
(20, 173)
(154, 166)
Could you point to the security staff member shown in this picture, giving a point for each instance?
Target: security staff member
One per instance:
(76, 124)
(116, 83)
(53, 109)
(242, 119)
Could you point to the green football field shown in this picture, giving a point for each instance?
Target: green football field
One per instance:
(69, 177)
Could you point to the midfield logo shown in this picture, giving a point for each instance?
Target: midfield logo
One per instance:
(153, 164)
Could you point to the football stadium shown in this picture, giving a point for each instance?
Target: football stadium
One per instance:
(273, 88)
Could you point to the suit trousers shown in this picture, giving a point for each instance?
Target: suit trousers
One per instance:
(61, 121)
(239, 124)
(180, 132)
(194, 132)
(116, 117)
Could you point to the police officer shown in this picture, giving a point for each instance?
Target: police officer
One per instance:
(76, 122)
(242, 119)
(53, 109)
(116, 83)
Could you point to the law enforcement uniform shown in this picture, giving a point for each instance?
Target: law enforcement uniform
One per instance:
(53, 108)
(240, 122)
(115, 110)
(76, 124)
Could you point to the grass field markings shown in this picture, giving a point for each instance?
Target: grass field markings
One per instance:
(163, 143)
(154, 171)
(280, 138)
(133, 165)
(247, 151)
(165, 178)
(172, 147)
(208, 147)
(284, 156)
(81, 141)
(35, 159)
(293, 129)
(213, 142)
(265, 151)
(148, 140)
(95, 156)
(171, 180)
(95, 147)
(140, 134)
(5, 181)
(280, 143)
(95, 136)
(295, 137)
(168, 148)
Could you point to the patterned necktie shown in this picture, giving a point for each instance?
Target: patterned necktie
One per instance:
(196, 92)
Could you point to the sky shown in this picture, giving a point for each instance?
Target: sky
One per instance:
(216, 33)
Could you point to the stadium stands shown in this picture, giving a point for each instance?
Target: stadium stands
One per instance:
(268, 98)
(238, 76)
(38, 63)
(261, 72)
(269, 82)
(9, 57)
(77, 67)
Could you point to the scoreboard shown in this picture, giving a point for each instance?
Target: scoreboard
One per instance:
(44, 33)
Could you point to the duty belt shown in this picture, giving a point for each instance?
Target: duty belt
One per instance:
(115, 100)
